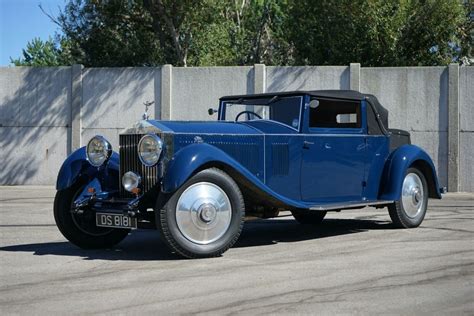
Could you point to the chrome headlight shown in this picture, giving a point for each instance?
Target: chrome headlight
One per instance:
(131, 181)
(149, 149)
(98, 151)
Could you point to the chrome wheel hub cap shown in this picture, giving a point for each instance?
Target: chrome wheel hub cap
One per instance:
(412, 195)
(203, 213)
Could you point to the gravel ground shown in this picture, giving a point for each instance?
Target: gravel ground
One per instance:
(354, 263)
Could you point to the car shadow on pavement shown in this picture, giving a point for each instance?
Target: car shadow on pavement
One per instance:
(147, 245)
(274, 231)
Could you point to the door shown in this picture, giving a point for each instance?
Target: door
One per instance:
(334, 152)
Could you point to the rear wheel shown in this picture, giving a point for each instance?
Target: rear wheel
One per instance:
(80, 229)
(409, 211)
(309, 217)
(204, 217)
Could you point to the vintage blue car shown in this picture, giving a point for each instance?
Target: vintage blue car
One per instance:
(308, 152)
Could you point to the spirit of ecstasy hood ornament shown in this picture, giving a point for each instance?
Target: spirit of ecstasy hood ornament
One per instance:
(147, 105)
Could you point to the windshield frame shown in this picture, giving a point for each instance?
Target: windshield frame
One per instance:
(223, 105)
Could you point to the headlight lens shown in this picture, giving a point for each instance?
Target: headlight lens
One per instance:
(149, 149)
(130, 181)
(98, 151)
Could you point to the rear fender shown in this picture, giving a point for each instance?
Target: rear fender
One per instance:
(395, 169)
(76, 168)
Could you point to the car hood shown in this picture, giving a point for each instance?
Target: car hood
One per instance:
(191, 127)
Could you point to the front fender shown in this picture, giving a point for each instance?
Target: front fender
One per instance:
(395, 169)
(76, 168)
(193, 157)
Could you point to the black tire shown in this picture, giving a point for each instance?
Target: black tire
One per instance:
(81, 229)
(309, 217)
(401, 217)
(177, 241)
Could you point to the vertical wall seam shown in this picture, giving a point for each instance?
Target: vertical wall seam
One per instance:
(259, 78)
(453, 128)
(354, 76)
(166, 92)
(76, 105)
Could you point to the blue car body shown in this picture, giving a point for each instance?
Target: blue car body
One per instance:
(298, 165)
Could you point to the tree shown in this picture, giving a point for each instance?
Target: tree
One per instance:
(182, 33)
(109, 33)
(431, 34)
(274, 32)
(376, 32)
(42, 53)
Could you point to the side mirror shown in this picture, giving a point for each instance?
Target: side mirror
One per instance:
(211, 111)
(313, 104)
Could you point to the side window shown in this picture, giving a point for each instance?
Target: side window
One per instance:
(335, 114)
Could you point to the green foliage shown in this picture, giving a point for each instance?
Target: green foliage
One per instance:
(109, 33)
(38, 53)
(377, 32)
(244, 32)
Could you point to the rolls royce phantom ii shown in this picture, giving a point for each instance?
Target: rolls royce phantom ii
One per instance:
(307, 152)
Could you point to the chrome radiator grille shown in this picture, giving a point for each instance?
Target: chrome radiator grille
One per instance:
(129, 161)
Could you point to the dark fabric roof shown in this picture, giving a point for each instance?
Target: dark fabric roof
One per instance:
(380, 112)
(339, 94)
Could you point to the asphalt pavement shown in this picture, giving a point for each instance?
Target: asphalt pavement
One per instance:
(354, 263)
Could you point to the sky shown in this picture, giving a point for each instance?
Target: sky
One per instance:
(21, 21)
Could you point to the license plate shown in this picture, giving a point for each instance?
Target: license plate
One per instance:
(115, 220)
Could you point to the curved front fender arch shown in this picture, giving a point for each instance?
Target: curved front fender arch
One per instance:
(194, 157)
(76, 168)
(396, 166)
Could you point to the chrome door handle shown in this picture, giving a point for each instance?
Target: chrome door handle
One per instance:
(306, 144)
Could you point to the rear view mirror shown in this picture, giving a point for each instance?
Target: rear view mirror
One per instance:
(313, 104)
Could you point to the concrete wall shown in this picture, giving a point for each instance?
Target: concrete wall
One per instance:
(113, 100)
(307, 78)
(466, 131)
(45, 113)
(35, 115)
(195, 90)
(417, 101)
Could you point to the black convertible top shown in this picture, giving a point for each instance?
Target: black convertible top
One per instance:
(381, 114)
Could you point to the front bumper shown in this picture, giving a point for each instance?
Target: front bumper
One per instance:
(94, 200)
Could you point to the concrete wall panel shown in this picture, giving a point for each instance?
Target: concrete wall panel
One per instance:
(35, 96)
(195, 90)
(466, 137)
(417, 101)
(466, 162)
(32, 155)
(113, 97)
(307, 78)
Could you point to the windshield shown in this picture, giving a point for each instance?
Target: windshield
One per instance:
(285, 110)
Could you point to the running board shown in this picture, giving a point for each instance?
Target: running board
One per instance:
(340, 206)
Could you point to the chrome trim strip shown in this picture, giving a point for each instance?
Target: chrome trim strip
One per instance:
(336, 206)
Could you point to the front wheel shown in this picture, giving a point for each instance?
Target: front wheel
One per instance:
(80, 229)
(409, 211)
(204, 217)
